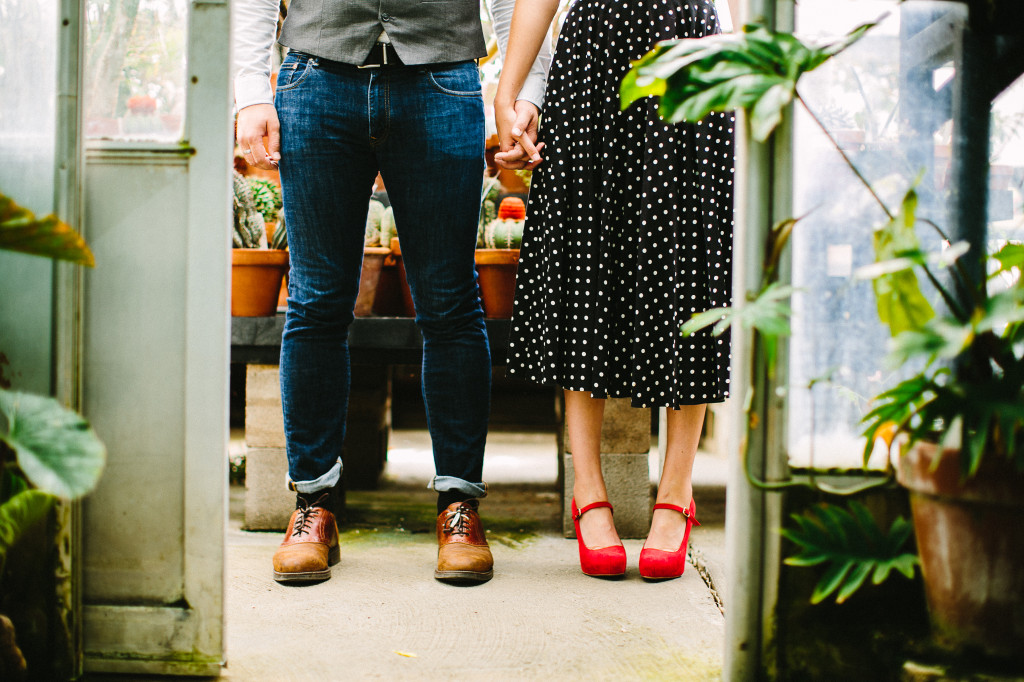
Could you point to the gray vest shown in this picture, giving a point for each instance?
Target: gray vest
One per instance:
(421, 32)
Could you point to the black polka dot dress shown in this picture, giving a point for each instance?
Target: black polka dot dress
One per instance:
(629, 225)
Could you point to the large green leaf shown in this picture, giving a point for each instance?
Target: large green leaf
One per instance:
(901, 305)
(18, 514)
(56, 448)
(768, 313)
(756, 70)
(1009, 257)
(899, 406)
(940, 338)
(852, 545)
(21, 230)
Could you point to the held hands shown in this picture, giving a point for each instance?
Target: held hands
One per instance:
(255, 123)
(517, 135)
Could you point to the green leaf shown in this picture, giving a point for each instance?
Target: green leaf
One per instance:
(851, 544)
(1009, 257)
(939, 338)
(56, 449)
(853, 582)
(21, 230)
(766, 313)
(18, 515)
(756, 70)
(766, 114)
(831, 581)
(901, 305)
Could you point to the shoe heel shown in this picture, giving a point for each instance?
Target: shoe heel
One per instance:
(334, 555)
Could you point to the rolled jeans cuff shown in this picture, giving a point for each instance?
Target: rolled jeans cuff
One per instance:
(445, 483)
(328, 480)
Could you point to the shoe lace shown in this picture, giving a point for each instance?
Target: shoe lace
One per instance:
(457, 520)
(307, 512)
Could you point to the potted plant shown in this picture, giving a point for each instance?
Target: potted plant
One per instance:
(256, 269)
(958, 420)
(499, 237)
(47, 452)
(380, 226)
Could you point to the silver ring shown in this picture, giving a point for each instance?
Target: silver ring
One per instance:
(248, 151)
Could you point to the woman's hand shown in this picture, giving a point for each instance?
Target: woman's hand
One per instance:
(517, 135)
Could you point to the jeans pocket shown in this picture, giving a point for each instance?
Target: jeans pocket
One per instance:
(460, 80)
(295, 69)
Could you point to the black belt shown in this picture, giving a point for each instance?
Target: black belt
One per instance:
(382, 54)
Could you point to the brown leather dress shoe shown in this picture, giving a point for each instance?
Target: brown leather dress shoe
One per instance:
(462, 553)
(310, 547)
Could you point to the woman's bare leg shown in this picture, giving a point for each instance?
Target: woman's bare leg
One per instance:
(583, 415)
(676, 485)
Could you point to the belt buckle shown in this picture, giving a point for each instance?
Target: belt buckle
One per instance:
(384, 57)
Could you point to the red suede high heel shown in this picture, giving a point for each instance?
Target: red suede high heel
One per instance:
(604, 562)
(657, 564)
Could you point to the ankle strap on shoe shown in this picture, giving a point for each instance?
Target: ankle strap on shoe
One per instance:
(593, 505)
(685, 512)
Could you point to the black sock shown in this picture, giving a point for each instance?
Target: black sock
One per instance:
(447, 497)
(321, 498)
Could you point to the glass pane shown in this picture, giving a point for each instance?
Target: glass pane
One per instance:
(862, 97)
(1006, 179)
(28, 125)
(28, 114)
(135, 69)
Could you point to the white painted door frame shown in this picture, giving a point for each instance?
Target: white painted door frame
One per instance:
(155, 379)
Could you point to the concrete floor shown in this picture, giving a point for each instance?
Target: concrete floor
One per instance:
(383, 616)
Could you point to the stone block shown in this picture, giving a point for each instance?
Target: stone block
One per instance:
(264, 420)
(625, 429)
(268, 502)
(627, 478)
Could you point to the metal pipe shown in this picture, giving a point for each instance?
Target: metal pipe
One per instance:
(763, 196)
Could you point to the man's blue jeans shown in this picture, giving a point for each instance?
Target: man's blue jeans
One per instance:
(422, 128)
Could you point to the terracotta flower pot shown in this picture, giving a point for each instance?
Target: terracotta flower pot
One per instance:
(256, 281)
(970, 535)
(282, 298)
(394, 299)
(369, 277)
(496, 272)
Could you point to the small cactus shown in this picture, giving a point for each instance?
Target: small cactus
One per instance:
(250, 231)
(387, 226)
(503, 234)
(374, 215)
(267, 197)
(490, 211)
(487, 216)
(280, 238)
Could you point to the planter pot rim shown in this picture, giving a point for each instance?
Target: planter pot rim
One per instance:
(928, 469)
(497, 256)
(376, 250)
(258, 256)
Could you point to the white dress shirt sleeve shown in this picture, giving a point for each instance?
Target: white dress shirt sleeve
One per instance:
(253, 31)
(533, 86)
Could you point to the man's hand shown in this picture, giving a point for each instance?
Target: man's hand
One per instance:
(517, 136)
(255, 123)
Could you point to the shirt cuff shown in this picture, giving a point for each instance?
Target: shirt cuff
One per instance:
(252, 88)
(533, 92)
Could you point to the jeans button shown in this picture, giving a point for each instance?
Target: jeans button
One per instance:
(385, 17)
